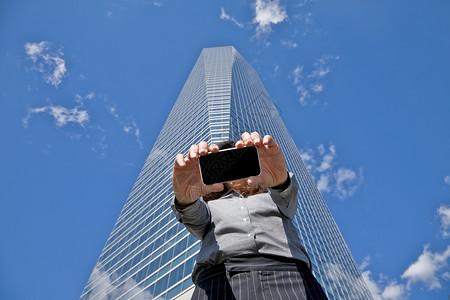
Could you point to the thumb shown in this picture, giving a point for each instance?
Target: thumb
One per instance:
(254, 180)
(216, 187)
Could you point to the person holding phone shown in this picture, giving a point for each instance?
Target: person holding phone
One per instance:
(250, 248)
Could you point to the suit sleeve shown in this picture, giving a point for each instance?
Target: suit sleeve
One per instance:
(196, 217)
(286, 199)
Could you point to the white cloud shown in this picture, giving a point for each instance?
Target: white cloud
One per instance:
(305, 16)
(317, 87)
(304, 95)
(321, 67)
(312, 83)
(381, 289)
(447, 180)
(35, 50)
(444, 215)
(347, 182)
(327, 158)
(290, 44)
(365, 263)
(339, 276)
(80, 115)
(62, 115)
(428, 269)
(321, 162)
(107, 287)
(297, 74)
(129, 125)
(323, 183)
(225, 16)
(304, 2)
(80, 99)
(321, 149)
(47, 62)
(131, 128)
(268, 13)
(308, 158)
(394, 291)
(101, 145)
(371, 284)
(446, 276)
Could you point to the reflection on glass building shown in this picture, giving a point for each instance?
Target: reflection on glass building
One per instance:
(149, 254)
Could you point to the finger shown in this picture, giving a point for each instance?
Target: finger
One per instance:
(239, 144)
(203, 148)
(179, 160)
(269, 141)
(216, 187)
(256, 138)
(193, 152)
(254, 180)
(213, 148)
(247, 139)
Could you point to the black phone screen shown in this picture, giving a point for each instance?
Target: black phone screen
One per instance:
(229, 164)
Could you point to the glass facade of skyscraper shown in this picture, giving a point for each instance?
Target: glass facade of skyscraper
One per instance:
(149, 254)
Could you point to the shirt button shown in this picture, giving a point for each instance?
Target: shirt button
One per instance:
(244, 219)
(242, 207)
(249, 235)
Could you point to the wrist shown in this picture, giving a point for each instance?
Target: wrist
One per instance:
(284, 185)
(184, 203)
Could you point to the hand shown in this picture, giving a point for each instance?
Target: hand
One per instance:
(186, 178)
(273, 166)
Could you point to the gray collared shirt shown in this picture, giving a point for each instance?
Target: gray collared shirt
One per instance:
(233, 226)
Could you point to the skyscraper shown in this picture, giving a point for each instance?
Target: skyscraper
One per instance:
(149, 254)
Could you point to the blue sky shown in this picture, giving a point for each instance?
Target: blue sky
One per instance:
(363, 87)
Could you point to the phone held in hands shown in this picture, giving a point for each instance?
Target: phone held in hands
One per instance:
(229, 165)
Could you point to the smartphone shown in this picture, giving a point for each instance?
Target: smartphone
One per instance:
(229, 165)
